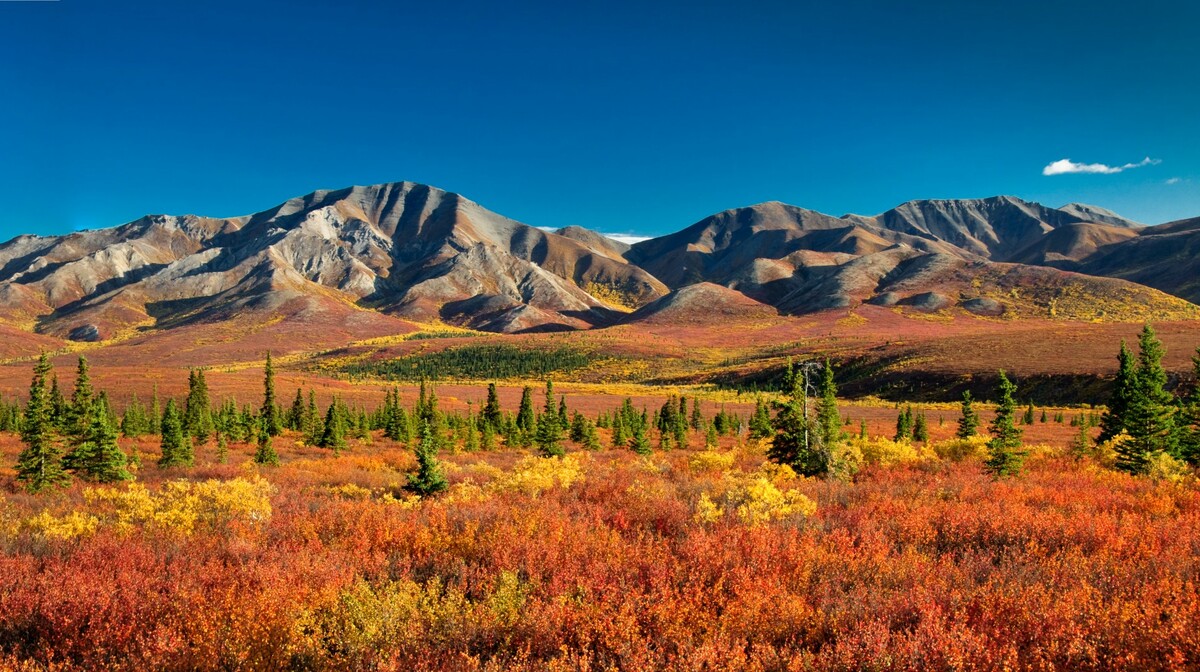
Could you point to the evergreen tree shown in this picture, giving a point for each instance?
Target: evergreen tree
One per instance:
(638, 441)
(549, 433)
(920, 428)
(1112, 422)
(564, 419)
(176, 446)
(134, 422)
(265, 454)
(1150, 415)
(429, 479)
(314, 426)
(295, 415)
(710, 437)
(39, 465)
(1028, 419)
(197, 410)
(697, 417)
(904, 424)
(80, 409)
(59, 408)
(222, 448)
(270, 410)
(491, 414)
(829, 422)
(968, 424)
(1006, 456)
(97, 456)
(795, 442)
(760, 422)
(1189, 424)
(526, 422)
(334, 435)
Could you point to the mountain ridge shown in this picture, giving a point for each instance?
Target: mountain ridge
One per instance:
(419, 253)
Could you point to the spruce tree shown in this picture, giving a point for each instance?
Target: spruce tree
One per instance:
(1189, 424)
(920, 428)
(265, 454)
(197, 410)
(222, 448)
(1006, 456)
(429, 479)
(526, 422)
(39, 465)
(295, 415)
(97, 457)
(829, 422)
(270, 410)
(1150, 415)
(1112, 422)
(80, 409)
(549, 433)
(796, 442)
(968, 423)
(904, 425)
(491, 414)
(334, 436)
(638, 441)
(176, 446)
(697, 417)
(760, 422)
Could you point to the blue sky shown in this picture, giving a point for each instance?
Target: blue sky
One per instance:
(620, 116)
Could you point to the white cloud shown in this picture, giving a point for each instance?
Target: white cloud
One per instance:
(1067, 166)
(1174, 180)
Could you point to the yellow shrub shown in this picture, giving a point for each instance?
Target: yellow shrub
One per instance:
(706, 510)
(711, 460)
(535, 475)
(886, 452)
(182, 506)
(71, 526)
(1162, 466)
(350, 491)
(760, 501)
(509, 596)
(956, 450)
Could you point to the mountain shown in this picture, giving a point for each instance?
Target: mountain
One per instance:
(368, 261)
(401, 249)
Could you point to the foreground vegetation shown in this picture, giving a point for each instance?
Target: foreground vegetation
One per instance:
(187, 535)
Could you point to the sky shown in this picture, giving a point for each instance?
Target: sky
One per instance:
(624, 117)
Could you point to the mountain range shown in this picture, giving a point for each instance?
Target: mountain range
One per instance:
(408, 252)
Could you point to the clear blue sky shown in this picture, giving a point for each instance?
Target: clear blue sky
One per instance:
(620, 116)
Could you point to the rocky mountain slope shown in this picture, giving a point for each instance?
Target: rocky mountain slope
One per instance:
(412, 252)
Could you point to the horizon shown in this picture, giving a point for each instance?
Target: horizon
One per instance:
(624, 119)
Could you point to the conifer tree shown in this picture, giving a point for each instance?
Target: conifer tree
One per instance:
(829, 422)
(265, 453)
(270, 410)
(549, 433)
(710, 437)
(334, 435)
(1112, 422)
(920, 428)
(697, 416)
(796, 442)
(39, 465)
(638, 441)
(97, 456)
(80, 409)
(59, 408)
(429, 478)
(1150, 415)
(222, 447)
(904, 424)
(491, 414)
(1029, 415)
(176, 446)
(526, 422)
(760, 422)
(1189, 424)
(295, 415)
(968, 423)
(1006, 456)
(197, 410)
